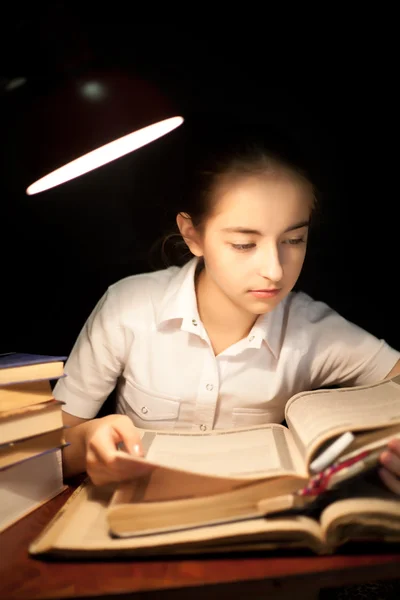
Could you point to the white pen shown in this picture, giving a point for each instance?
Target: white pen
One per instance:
(328, 456)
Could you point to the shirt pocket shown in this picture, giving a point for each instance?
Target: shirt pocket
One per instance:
(148, 409)
(246, 417)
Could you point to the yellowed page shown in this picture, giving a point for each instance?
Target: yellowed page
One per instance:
(81, 527)
(18, 395)
(30, 421)
(243, 454)
(372, 440)
(361, 518)
(315, 416)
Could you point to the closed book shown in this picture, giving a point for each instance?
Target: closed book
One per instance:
(19, 367)
(32, 420)
(15, 452)
(18, 395)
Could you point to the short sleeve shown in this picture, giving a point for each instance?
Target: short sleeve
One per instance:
(96, 361)
(339, 352)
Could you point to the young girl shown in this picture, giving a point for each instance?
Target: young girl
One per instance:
(222, 341)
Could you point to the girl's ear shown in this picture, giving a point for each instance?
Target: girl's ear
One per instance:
(189, 233)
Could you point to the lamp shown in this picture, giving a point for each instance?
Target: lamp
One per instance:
(91, 120)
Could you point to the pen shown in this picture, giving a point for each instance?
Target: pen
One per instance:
(332, 452)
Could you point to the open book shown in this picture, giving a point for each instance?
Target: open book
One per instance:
(273, 459)
(81, 529)
(249, 485)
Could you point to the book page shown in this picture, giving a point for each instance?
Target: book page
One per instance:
(81, 529)
(315, 416)
(253, 453)
(230, 456)
(370, 440)
(361, 518)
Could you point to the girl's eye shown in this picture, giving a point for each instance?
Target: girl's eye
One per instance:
(243, 247)
(295, 241)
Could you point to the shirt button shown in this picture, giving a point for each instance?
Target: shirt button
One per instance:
(210, 387)
(145, 410)
(194, 322)
(203, 427)
(251, 338)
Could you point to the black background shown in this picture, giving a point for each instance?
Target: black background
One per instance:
(331, 86)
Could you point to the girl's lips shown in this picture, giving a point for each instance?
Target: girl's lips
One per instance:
(265, 293)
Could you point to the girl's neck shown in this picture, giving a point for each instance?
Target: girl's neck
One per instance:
(217, 312)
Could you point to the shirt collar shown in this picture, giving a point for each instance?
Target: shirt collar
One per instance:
(180, 303)
(268, 329)
(180, 299)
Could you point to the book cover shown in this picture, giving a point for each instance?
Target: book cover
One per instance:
(18, 367)
(20, 359)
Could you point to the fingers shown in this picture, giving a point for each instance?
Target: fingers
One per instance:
(107, 433)
(125, 431)
(391, 461)
(394, 446)
(103, 438)
(105, 474)
(390, 481)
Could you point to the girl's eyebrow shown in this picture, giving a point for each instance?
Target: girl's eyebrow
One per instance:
(257, 232)
(298, 225)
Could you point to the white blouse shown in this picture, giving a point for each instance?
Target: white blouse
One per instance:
(146, 338)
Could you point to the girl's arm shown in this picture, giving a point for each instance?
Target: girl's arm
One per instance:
(92, 370)
(74, 455)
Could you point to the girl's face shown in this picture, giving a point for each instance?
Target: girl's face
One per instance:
(254, 242)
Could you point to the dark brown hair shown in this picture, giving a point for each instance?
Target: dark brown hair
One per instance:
(212, 152)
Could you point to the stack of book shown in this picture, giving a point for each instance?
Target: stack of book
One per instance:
(31, 434)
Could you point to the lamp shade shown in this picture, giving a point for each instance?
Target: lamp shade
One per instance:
(90, 120)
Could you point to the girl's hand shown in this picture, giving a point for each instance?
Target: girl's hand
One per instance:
(390, 459)
(102, 439)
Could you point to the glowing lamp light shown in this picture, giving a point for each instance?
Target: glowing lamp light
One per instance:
(107, 153)
(90, 121)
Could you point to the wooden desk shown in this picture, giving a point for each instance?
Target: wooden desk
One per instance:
(26, 578)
